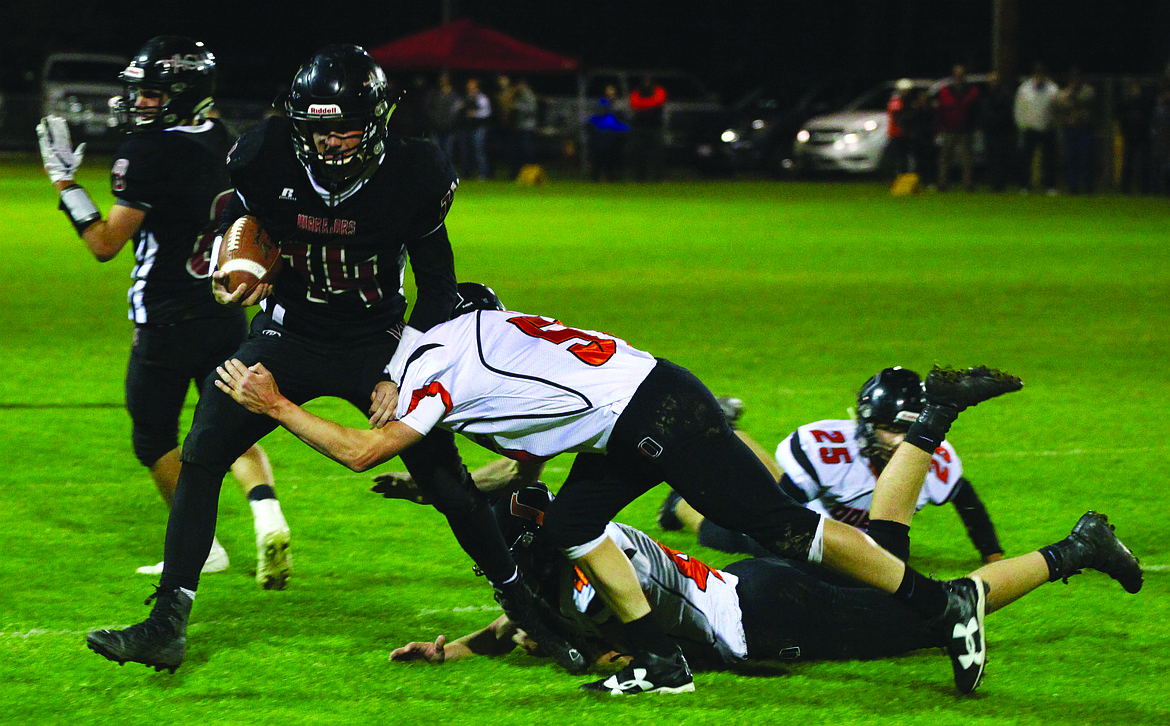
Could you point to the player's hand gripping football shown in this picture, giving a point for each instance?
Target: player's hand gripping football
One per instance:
(253, 387)
(240, 297)
(61, 160)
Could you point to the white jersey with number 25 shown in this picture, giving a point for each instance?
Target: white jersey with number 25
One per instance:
(824, 460)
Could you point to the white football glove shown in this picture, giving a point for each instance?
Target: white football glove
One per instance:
(60, 158)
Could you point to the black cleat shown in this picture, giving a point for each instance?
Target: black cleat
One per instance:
(961, 629)
(962, 389)
(667, 518)
(1101, 550)
(732, 408)
(158, 642)
(647, 673)
(528, 612)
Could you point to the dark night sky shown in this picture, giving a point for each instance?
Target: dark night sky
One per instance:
(730, 45)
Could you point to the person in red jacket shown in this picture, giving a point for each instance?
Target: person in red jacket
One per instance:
(956, 124)
(647, 104)
(899, 139)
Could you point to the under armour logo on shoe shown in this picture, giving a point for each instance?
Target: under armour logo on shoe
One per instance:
(968, 633)
(639, 681)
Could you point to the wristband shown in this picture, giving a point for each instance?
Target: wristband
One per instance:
(80, 209)
(929, 431)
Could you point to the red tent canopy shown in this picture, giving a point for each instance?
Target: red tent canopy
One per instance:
(464, 46)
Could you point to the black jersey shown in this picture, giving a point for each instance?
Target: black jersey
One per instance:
(344, 263)
(177, 176)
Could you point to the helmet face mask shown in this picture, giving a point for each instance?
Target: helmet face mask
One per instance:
(520, 516)
(889, 401)
(339, 107)
(175, 75)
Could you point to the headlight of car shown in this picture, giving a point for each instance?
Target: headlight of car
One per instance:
(802, 136)
(729, 136)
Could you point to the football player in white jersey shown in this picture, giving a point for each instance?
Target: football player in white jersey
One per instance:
(758, 608)
(832, 466)
(530, 388)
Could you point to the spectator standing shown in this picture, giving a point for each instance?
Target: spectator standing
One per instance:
(1034, 118)
(918, 127)
(501, 141)
(444, 108)
(998, 125)
(1135, 114)
(607, 137)
(647, 104)
(1160, 140)
(1075, 108)
(956, 125)
(473, 138)
(900, 154)
(525, 118)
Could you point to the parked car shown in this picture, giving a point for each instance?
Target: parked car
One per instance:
(79, 87)
(855, 138)
(758, 132)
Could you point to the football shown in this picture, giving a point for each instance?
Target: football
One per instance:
(248, 254)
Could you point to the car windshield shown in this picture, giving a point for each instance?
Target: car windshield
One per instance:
(873, 100)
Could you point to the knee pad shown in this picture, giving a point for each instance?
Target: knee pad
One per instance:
(151, 443)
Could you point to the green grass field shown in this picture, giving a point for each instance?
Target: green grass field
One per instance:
(786, 295)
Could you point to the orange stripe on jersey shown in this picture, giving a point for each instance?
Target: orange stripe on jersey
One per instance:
(579, 579)
(696, 570)
(434, 389)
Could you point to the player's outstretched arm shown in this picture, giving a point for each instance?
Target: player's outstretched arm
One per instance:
(494, 639)
(255, 389)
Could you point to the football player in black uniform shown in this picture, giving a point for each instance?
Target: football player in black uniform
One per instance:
(168, 178)
(348, 203)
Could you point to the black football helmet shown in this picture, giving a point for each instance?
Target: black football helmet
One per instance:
(892, 398)
(339, 89)
(474, 296)
(179, 67)
(520, 516)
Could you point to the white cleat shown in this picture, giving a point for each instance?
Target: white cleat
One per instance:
(217, 561)
(273, 559)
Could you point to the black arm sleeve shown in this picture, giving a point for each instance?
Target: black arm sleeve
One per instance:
(433, 264)
(975, 518)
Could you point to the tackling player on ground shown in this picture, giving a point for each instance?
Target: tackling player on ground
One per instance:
(169, 178)
(531, 388)
(755, 609)
(348, 203)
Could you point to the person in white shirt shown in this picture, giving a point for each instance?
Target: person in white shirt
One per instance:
(1034, 118)
(531, 388)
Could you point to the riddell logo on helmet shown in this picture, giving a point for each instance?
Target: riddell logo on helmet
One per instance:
(325, 109)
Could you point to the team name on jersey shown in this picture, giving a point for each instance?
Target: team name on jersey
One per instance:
(325, 225)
